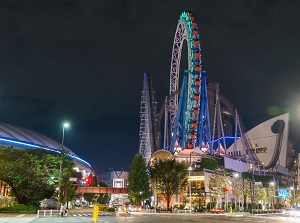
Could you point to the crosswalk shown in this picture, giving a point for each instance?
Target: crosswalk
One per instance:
(87, 215)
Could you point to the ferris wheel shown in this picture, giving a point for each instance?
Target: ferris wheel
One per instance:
(188, 111)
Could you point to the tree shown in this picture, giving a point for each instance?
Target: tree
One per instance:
(218, 181)
(67, 187)
(170, 176)
(102, 199)
(138, 182)
(32, 174)
(208, 163)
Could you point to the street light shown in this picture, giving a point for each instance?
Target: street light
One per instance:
(65, 125)
(237, 175)
(294, 194)
(273, 193)
(190, 189)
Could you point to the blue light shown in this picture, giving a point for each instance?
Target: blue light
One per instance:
(226, 137)
(42, 147)
(229, 140)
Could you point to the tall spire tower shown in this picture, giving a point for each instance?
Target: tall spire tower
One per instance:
(148, 115)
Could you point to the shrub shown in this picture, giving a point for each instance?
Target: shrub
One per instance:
(20, 208)
(102, 207)
(111, 209)
(211, 204)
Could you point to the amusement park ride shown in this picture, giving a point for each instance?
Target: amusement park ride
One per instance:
(185, 118)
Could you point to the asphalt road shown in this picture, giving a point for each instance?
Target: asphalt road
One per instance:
(157, 218)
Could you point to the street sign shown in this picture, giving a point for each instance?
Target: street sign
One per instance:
(73, 179)
(283, 193)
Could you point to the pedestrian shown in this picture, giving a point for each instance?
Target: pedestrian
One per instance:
(62, 210)
(66, 212)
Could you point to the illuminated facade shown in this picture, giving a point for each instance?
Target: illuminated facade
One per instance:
(117, 179)
(4, 189)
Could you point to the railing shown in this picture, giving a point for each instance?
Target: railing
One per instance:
(265, 211)
(153, 210)
(47, 213)
(185, 211)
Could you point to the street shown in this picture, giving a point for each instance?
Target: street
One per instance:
(150, 218)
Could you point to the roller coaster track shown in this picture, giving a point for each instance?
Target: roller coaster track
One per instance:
(277, 149)
(160, 115)
(244, 137)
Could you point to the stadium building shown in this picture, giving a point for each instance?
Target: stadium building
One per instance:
(18, 137)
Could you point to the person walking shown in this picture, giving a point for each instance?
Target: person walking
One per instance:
(62, 210)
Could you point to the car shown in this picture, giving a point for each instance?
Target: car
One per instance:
(216, 210)
(291, 212)
(288, 212)
(296, 213)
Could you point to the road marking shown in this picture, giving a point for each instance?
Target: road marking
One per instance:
(20, 215)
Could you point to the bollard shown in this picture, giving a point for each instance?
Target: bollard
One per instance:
(95, 213)
(95, 208)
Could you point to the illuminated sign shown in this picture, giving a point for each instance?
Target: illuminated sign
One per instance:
(283, 193)
(196, 178)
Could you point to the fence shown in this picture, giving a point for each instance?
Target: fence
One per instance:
(153, 210)
(265, 211)
(47, 213)
(184, 211)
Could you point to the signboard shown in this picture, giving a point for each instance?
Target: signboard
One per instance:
(196, 177)
(283, 193)
(235, 165)
(257, 183)
(73, 179)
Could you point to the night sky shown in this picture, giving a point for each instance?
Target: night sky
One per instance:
(83, 61)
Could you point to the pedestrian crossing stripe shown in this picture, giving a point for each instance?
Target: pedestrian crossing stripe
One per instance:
(85, 215)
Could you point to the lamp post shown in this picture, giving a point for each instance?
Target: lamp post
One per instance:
(65, 125)
(190, 189)
(294, 195)
(272, 184)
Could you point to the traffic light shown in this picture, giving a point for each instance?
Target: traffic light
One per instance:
(87, 181)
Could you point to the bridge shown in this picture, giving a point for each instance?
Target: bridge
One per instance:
(101, 190)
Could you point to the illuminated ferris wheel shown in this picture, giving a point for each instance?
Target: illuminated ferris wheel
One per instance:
(188, 111)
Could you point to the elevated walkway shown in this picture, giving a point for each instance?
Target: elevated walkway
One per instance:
(101, 190)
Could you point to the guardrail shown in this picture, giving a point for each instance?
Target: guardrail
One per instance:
(47, 213)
